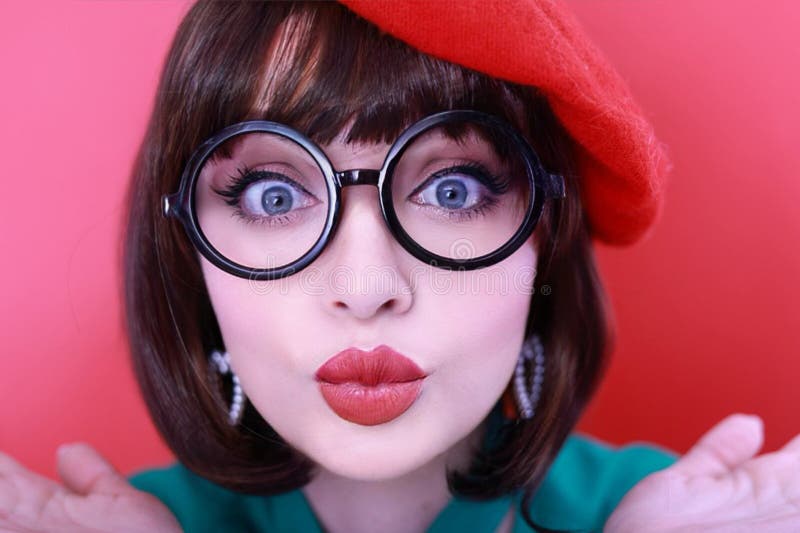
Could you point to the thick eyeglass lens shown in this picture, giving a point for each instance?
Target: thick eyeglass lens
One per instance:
(261, 200)
(461, 190)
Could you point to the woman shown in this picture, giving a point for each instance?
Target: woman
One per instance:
(322, 353)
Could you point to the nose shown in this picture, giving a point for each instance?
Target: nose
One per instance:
(362, 261)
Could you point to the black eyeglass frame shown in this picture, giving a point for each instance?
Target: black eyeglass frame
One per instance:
(179, 205)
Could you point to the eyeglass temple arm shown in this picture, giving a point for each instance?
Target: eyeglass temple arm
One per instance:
(169, 205)
(554, 186)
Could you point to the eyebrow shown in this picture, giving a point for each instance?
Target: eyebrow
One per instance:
(226, 149)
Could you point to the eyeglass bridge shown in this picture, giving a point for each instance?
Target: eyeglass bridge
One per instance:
(358, 176)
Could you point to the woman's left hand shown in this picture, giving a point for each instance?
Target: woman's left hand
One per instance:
(718, 486)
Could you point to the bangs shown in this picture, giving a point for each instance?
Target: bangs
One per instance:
(329, 72)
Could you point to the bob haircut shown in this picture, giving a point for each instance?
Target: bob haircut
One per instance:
(319, 68)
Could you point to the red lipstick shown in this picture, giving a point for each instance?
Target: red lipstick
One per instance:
(370, 388)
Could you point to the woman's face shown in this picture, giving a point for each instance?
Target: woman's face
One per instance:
(464, 329)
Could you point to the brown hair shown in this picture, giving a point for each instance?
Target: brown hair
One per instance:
(319, 68)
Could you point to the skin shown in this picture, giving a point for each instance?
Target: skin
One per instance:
(380, 476)
(719, 486)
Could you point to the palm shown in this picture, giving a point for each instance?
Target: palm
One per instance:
(94, 498)
(719, 486)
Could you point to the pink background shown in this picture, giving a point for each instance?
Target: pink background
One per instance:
(706, 308)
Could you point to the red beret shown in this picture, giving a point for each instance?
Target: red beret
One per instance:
(622, 165)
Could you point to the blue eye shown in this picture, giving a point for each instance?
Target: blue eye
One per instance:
(270, 197)
(454, 191)
(461, 191)
(266, 197)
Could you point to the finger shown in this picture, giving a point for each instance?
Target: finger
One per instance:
(84, 470)
(11, 469)
(9, 465)
(22, 491)
(9, 527)
(793, 445)
(725, 446)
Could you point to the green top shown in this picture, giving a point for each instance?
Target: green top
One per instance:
(584, 484)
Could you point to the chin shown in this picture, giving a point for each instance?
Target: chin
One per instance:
(374, 457)
(380, 466)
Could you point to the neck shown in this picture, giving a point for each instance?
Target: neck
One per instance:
(410, 502)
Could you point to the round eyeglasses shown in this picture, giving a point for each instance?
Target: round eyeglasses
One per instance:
(458, 189)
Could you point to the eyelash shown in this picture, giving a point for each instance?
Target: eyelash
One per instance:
(234, 190)
(472, 212)
(495, 183)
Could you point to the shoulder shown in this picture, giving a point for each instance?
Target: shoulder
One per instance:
(202, 506)
(589, 477)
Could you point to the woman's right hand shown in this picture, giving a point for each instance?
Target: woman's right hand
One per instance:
(94, 497)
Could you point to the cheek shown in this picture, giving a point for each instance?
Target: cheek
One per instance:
(240, 305)
(485, 308)
(478, 320)
(255, 318)
(260, 328)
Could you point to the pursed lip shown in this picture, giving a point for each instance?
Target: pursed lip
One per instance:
(380, 365)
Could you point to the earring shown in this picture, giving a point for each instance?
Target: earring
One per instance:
(526, 398)
(223, 364)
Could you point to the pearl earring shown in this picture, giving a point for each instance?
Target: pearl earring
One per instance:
(527, 399)
(223, 364)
